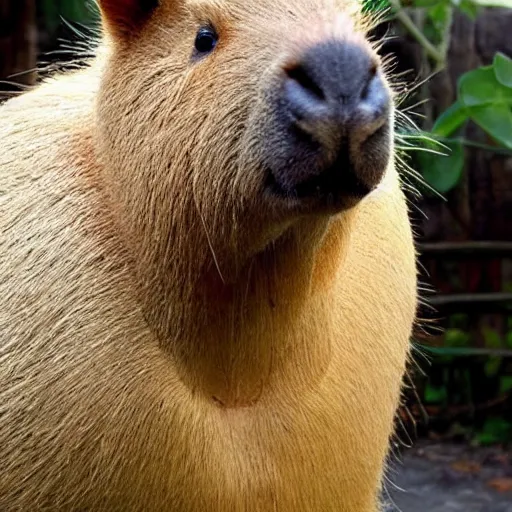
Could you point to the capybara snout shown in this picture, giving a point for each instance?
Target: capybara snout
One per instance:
(332, 117)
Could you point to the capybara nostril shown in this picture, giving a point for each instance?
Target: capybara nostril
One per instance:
(299, 75)
(333, 114)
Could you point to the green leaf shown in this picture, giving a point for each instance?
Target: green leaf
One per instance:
(486, 438)
(456, 338)
(508, 339)
(468, 7)
(505, 383)
(495, 430)
(439, 12)
(374, 5)
(503, 69)
(435, 394)
(493, 366)
(487, 96)
(478, 87)
(481, 87)
(438, 17)
(492, 338)
(443, 172)
(451, 119)
(496, 120)
(460, 320)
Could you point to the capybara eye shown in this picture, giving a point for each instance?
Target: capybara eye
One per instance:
(206, 40)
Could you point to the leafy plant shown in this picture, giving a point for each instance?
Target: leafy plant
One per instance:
(495, 430)
(484, 95)
(441, 167)
(466, 387)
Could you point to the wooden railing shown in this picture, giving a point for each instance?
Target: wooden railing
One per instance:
(493, 302)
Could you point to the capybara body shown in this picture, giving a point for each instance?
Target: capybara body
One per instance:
(203, 306)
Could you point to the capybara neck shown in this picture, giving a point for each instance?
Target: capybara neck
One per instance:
(236, 328)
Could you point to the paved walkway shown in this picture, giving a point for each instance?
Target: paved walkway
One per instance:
(451, 478)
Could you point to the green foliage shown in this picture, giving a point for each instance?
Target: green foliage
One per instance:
(471, 379)
(456, 338)
(442, 166)
(372, 6)
(435, 394)
(74, 11)
(451, 119)
(495, 430)
(493, 366)
(506, 384)
(484, 95)
(438, 19)
(491, 338)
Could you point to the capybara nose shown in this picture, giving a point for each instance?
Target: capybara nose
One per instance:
(334, 111)
(334, 90)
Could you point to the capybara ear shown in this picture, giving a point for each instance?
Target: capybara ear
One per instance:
(124, 17)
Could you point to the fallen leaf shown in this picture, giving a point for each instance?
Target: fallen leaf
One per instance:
(501, 484)
(466, 466)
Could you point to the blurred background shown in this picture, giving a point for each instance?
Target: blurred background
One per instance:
(451, 63)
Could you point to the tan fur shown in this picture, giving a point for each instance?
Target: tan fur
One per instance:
(169, 339)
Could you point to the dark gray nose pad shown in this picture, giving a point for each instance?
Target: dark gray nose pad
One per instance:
(335, 91)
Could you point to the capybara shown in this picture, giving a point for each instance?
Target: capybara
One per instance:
(207, 271)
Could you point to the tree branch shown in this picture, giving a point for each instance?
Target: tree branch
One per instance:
(406, 21)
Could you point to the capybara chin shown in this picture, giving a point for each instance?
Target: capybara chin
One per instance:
(207, 273)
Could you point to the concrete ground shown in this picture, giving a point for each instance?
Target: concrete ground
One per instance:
(450, 478)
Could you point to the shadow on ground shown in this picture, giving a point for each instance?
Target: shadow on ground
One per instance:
(450, 478)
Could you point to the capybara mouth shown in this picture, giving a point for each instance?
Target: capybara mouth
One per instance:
(339, 186)
(335, 189)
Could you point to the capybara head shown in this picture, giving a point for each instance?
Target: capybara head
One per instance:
(225, 124)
